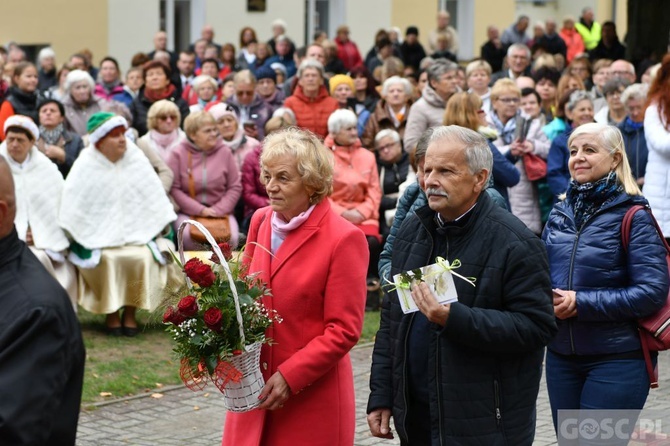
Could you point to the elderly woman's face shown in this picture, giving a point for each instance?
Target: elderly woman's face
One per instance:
(530, 106)
(396, 96)
(589, 161)
(341, 93)
(81, 92)
(635, 109)
(113, 145)
(389, 150)
(506, 105)
(155, 79)
(50, 115)
(18, 145)
(347, 135)
(166, 122)
(206, 92)
(288, 195)
(205, 137)
(582, 113)
(478, 80)
(227, 127)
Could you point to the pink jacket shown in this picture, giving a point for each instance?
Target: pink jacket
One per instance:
(215, 174)
(355, 181)
(101, 93)
(253, 191)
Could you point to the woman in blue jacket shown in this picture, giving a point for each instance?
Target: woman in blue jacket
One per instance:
(600, 288)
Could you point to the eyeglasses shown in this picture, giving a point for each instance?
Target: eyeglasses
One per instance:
(386, 147)
(621, 73)
(166, 117)
(245, 93)
(509, 100)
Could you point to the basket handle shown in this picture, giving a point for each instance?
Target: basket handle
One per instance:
(224, 264)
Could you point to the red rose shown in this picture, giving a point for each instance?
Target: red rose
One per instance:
(199, 273)
(172, 316)
(212, 318)
(188, 306)
(226, 250)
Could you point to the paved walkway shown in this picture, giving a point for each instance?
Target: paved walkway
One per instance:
(181, 417)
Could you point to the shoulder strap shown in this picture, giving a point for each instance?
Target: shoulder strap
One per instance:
(628, 222)
(191, 182)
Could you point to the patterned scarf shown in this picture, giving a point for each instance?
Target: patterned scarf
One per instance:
(588, 198)
(507, 131)
(51, 136)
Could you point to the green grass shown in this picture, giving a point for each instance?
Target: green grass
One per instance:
(126, 366)
(370, 326)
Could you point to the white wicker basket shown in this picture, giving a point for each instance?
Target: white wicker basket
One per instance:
(239, 396)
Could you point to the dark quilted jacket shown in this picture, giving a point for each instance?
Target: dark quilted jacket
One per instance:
(613, 288)
(487, 362)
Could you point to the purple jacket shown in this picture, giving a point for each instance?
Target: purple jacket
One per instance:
(215, 174)
(253, 191)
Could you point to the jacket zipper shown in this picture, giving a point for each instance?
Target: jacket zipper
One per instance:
(572, 264)
(496, 395)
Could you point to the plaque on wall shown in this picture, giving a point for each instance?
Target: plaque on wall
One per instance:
(256, 5)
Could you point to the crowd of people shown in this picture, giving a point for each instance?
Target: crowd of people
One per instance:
(520, 164)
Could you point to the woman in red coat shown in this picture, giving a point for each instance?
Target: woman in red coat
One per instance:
(315, 263)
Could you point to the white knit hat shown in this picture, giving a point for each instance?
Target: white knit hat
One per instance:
(23, 122)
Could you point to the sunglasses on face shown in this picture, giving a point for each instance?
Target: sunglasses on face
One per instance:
(166, 117)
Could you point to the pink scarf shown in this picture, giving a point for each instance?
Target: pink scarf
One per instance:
(164, 140)
(281, 228)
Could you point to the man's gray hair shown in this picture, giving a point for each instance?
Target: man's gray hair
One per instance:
(477, 152)
(518, 47)
(439, 68)
(635, 92)
(311, 63)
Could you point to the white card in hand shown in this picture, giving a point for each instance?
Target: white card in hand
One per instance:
(440, 282)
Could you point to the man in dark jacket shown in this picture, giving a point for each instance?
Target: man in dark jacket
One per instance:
(467, 372)
(493, 51)
(411, 49)
(41, 349)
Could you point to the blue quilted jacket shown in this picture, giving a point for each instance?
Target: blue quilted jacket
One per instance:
(613, 287)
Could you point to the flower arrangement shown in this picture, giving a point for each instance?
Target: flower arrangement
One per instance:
(213, 330)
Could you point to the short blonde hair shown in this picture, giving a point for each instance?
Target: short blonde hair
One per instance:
(195, 121)
(162, 108)
(611, 140)
(313, 160)
(503, 86)
(478, 65)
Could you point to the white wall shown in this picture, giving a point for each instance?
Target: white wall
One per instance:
(131, 32)
(228, 17)
(365, 18)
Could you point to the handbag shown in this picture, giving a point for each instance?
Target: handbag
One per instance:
(219, 227)
(536, 167)
(655, 329)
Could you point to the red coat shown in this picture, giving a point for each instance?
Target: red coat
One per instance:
(573, 42)
(312, 113)
(317, 278)
(348, 53)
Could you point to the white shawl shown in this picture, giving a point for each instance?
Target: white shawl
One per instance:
(38, 188)
(109, 204)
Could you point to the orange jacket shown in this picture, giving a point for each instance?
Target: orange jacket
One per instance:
(355, 182)
(573, 41)
(312, 113)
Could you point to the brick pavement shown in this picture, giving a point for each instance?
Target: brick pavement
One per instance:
(182, 417)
